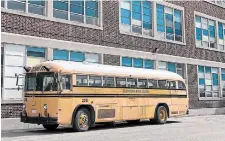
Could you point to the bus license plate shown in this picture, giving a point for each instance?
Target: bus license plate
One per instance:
(33, 111)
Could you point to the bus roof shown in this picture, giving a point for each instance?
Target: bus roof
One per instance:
(108, 70)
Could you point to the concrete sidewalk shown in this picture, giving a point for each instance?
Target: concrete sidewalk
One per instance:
(14, 124)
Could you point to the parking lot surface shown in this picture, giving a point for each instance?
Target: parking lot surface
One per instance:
(199, 128)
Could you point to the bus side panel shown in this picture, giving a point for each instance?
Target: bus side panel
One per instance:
(179, 105)
(66, 107)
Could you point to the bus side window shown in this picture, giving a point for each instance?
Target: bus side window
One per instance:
(66, 82)
(181, 85)
(172, 84)
(82, 80)
(131, 82)
(163, 84)
(95, 81)
(108, 81)
(142, 83)
(120, 82)
(152, 83)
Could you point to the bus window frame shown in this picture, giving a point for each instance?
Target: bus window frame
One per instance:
(146, 83)
(185, 87)
(114, 81)
(60, 81)
(81, 75)
(94, 75)
(175, 84)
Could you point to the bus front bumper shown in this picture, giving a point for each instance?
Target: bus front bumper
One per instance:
(38, 120)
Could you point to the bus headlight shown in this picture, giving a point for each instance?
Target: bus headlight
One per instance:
(45, 106)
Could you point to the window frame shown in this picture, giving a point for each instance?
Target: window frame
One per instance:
(84, 16)
(71, 80)
(26, 8)
(94, 75)
(114, 83)
(217, 20)
(154, 27)
(76, 74)
(219, 84)
(100, 56)
(132, 62)
(49, 16)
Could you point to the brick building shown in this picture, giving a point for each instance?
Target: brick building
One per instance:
(186, 37)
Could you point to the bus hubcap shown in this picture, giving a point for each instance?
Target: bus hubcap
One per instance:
(162, 114)
(83, 120)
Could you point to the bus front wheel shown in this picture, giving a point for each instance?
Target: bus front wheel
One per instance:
(161, 115)
(50, 126)
(82, 120)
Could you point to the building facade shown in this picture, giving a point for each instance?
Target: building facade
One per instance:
(185, 37)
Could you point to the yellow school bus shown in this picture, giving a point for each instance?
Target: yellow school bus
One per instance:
(82, 94)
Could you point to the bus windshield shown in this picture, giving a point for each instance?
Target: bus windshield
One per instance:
(46, 81)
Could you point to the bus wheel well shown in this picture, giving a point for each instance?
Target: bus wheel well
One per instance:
(90, 109)
(166, 106)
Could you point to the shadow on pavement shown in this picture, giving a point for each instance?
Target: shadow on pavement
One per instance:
(61, 130)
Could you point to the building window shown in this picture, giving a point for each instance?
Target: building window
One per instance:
(76, 56)
(162, 65)
(92, 58)
(35, 55)
(169, 23)
(138, 63)
(2, 3)
(172, 67)
(219, 2)
(78, 11)
(149, 64)
(60, 55)
(223, 81)
(127, 61)
(208, 81)
(221, 35)
(206, 37)
(205, 32)
(136, 17)
(2, 64)
(14, 61)
(34, 7)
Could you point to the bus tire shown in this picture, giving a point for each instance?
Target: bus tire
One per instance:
(161, 115)
(50, 126)
(82, 120)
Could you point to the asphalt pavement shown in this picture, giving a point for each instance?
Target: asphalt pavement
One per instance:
(199, 128)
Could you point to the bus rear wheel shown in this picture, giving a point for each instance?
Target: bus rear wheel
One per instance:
(50, 126)
(161, 115)
(82, 120)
